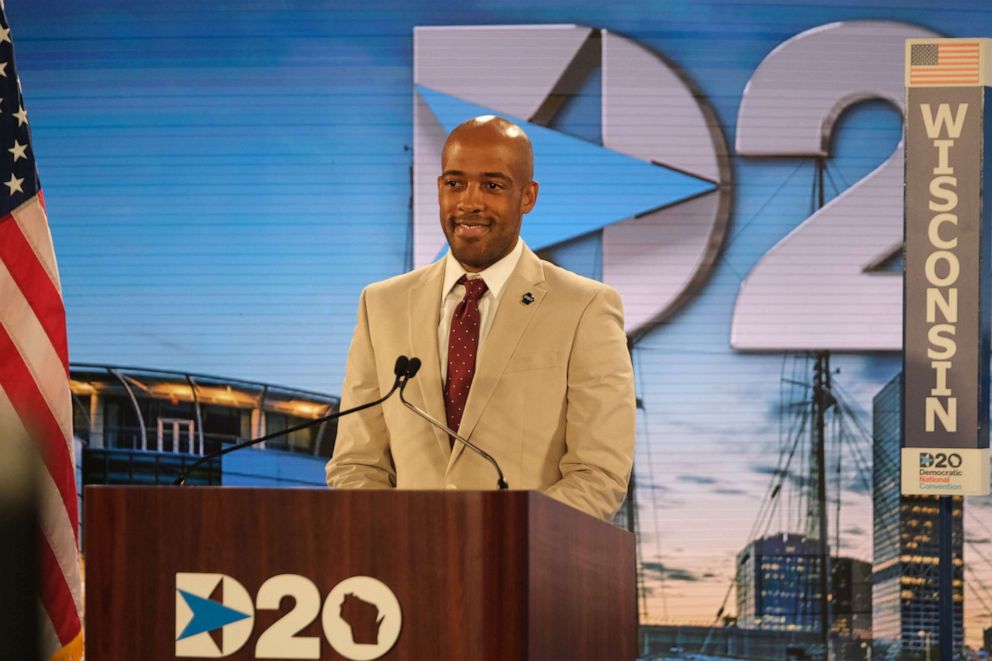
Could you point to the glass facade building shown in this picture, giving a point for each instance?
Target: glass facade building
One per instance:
(778, 588)
(145, 426)
(905, 596)
(850, 584)
(778, 584)
(173, 412)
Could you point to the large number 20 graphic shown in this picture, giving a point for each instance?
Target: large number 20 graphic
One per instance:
(816, 288)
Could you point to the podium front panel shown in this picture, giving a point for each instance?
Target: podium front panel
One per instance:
(237, 573)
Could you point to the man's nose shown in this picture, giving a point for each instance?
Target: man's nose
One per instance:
(472, 200)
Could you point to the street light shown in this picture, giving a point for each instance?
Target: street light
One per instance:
(926, 636)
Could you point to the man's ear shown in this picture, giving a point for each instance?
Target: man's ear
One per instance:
(529, 198)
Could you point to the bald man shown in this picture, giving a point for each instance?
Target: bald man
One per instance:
(525, 359)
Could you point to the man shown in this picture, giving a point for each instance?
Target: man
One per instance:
(523, 358)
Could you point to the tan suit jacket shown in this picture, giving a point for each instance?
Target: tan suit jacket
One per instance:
(552, 398)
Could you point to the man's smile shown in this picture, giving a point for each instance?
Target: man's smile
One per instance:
(471, 228)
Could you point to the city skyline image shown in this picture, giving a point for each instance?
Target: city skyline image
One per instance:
(222, 181)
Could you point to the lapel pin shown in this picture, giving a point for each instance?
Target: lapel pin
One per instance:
(527, 298)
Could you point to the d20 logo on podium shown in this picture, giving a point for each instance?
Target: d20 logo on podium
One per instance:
(215, 617)
(211, 607)
(362, 618)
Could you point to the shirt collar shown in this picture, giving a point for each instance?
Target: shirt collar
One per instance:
(495, 276)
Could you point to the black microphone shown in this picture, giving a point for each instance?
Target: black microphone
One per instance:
(400, 370)
(413, 366)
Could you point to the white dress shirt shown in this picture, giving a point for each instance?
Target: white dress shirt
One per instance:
(452, 294)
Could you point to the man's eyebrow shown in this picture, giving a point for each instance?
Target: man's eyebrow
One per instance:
(487, 175)
(496, 175)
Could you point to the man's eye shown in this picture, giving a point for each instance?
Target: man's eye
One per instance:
(452, 183)
(492, 185)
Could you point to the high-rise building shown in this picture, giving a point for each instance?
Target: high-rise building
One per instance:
(905, 594)
(850, 611)
(778, 584)
(778, 588)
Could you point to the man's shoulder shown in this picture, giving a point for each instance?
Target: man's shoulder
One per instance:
(573, 284)
(400, 284)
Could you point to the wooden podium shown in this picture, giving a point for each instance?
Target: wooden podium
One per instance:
(507, 576)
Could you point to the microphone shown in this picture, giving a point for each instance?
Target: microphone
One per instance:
(412, 367)
(400, 370)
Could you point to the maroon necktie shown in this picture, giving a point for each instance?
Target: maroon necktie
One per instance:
(463, 345)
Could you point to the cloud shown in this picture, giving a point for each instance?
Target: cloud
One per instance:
(697, 479)
(859, 486)
(779, 410)
(727, 491)
(879, 367)
(681, 575)
(848, 544)
(706, 480)
(658, 570)
(764, 469)
(650, 567)
(650, 486)
(668, 503)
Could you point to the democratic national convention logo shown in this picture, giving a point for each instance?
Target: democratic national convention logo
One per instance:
(208, 607)
(635, 172)
(627, 154)
(361, 618)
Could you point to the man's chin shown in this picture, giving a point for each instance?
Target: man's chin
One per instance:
(472, 260)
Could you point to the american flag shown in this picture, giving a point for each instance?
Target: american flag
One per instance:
(34, 364)
(939, 63)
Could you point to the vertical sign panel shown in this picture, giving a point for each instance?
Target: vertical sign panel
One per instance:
(946, 329)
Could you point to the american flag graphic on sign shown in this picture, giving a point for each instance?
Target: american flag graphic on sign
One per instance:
(35, 401)
(952, 63)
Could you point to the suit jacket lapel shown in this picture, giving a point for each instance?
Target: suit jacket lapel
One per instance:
(423, 311)
(511, 319)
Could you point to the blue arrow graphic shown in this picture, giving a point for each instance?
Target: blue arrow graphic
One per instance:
(208, 615)
(584, 187)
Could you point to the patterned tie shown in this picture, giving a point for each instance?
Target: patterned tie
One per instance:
(463, 344)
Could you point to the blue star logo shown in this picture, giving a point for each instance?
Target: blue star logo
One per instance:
(208, 615)
(579, 180)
